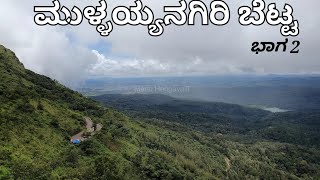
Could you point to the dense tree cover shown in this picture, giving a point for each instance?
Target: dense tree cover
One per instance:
(38, 116)
(294, 132)
(237, 122)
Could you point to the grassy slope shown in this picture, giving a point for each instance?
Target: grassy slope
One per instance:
(38, 115)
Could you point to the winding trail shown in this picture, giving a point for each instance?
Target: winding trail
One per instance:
(89, 128)
(228, 163)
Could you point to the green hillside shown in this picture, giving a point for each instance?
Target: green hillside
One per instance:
(38, 116)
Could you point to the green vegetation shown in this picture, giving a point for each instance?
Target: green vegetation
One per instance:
(285, 136)
(38, 116)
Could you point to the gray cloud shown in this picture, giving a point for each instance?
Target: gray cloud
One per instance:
(180, 50)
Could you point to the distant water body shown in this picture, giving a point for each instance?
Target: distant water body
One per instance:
(274, 109)
(271, 109)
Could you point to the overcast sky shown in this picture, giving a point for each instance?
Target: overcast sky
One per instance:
(70, 54)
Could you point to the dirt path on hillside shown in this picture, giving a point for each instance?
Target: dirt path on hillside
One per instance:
(89, 128)
(227, 160)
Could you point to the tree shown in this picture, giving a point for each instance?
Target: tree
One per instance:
(40, 106)
(5, 173)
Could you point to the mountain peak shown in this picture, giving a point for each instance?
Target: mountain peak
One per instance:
(8, 59)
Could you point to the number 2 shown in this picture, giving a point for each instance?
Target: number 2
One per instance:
(297, 45)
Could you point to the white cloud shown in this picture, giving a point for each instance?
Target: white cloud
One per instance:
(128, 67)
(46, 50)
